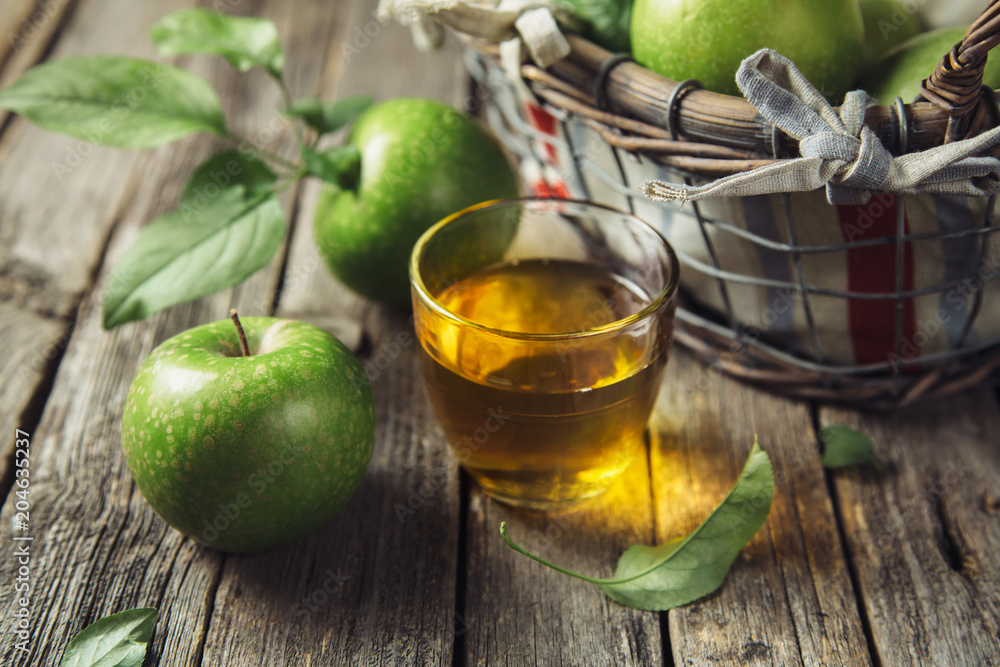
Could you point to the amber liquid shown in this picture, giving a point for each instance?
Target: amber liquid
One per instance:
(542, 424)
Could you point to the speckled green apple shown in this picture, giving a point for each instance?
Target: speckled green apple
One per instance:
(708, 39)
(420, 162)
(246, 453)
(888, 23)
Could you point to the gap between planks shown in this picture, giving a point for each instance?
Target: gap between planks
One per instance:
(814, 409)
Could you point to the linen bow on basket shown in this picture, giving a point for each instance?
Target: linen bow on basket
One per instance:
(838, 150)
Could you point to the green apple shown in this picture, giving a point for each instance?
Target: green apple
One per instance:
(900, 72)
(888, 23)
(246, 452)
(420, 161)
(708, 39)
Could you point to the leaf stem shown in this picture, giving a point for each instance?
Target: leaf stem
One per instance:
(242, 142)
(239, 330)
(522, 550)
(296, 125)
(263, 152)
(292, 179)
(613, 581)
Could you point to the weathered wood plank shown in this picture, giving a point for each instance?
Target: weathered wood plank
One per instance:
(31, 343)
(61, 195)
(788, 598)
(377, 586)
(520, 612)
(98, 546)
(15, 22)
(924, 535)
(27, 28)
(59, 199)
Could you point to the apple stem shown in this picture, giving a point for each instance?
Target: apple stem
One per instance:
(239, 330)
(349, 168)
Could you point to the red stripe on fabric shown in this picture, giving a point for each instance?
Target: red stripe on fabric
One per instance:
(544, 122)
(541, 189)
(560, 190)
(872, 323)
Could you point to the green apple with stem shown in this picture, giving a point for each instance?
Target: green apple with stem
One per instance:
(247, 436)
(417, 162)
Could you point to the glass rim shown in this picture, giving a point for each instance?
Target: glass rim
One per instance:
(665, 295)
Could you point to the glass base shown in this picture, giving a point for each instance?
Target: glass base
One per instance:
(542, 492)
(554, 504)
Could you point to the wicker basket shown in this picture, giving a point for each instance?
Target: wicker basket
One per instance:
(877, 305)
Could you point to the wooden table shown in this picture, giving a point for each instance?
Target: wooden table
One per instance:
(852, 568)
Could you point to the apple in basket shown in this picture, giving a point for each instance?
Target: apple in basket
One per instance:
(248, 442)
(900, 72)
(707, 39)
(888, 23)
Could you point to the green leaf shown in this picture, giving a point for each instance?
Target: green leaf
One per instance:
(119, 640)
(245, 42)
(218, 237)
(326, 117)
(115, 101)
(843, 446)
(340, 165)
(226, 169)
(685, 569)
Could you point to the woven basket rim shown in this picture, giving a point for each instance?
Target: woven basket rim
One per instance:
(646, 105)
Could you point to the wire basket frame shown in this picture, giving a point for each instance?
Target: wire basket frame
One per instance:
(711, 319)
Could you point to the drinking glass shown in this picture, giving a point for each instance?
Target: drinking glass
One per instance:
(544, 329)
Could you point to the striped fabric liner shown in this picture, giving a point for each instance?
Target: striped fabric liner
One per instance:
(848, 331)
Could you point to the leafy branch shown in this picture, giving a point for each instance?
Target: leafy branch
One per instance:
(228, 224)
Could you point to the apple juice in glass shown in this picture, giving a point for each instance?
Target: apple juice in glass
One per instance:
(545, 328)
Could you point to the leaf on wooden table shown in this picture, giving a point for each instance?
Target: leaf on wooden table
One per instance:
(843, 446)
(116, 101)
(688, 568)
(326, 117)
(219, 236)
(245, 42)
(119, 640)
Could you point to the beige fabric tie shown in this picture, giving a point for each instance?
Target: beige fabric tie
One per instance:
(532, 20)
(839, 152)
